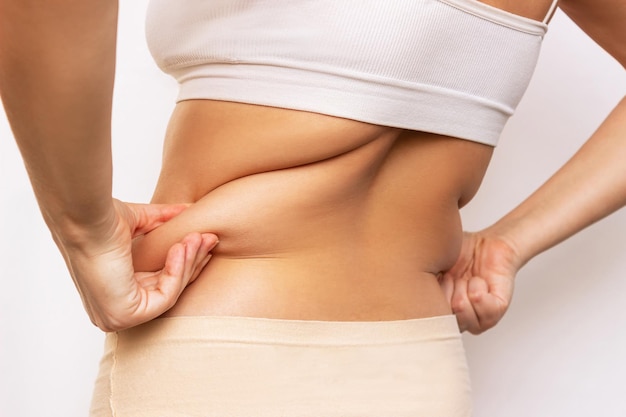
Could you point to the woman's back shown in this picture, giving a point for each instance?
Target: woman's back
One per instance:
(319, 217)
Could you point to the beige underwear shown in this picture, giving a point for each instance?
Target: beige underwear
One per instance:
(251, 367)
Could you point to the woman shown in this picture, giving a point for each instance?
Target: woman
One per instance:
(321, 217)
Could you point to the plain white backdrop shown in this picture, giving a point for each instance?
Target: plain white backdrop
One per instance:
(560, 351)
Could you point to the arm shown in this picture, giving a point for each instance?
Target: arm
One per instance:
(57, 63)
(590, 186)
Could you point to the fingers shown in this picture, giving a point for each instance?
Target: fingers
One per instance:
(153, 293)
(488, 305)
(130, 297)
(198, 247)
(184, 262)
(462, 307)
(477, 306)
(147, 217)
(203, 256)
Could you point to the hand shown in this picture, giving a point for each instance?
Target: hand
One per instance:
(113, 294)
(479, 286)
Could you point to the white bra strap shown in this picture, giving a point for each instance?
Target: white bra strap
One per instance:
(551, 11)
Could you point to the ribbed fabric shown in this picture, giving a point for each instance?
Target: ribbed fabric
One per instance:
(244, 367)
(453, 67)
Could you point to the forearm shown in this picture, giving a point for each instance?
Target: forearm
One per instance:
(57, 61)
(589, 187)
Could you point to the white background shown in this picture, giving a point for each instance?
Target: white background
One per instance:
(560, 351)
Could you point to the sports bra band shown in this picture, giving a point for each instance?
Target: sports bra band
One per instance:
(452, 67)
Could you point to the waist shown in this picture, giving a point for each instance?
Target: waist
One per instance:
(292, 249)
(319, 218)
(251, 330)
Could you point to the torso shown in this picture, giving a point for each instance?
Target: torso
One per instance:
(319, 218)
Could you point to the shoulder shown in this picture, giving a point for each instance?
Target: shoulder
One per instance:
(603, 21)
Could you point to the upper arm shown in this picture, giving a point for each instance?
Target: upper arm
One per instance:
(603, 20)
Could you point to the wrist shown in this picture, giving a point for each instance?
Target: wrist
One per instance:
(83, 230)
(511, 231)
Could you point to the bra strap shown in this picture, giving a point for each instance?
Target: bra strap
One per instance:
(551, 11)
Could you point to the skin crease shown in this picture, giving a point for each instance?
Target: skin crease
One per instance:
(333, 221)
(354, 221)
(374, 210)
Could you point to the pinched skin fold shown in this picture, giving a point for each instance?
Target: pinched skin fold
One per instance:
(352, 220)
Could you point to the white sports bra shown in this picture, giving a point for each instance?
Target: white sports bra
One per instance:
(452, 67)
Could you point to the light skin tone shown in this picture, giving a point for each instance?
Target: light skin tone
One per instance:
(589, 187)
(67, 91)
(58, 101)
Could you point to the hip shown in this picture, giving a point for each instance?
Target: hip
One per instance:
(234, 366)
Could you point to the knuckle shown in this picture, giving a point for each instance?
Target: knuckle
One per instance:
(475, 296)
(112, 323)
(458, 304)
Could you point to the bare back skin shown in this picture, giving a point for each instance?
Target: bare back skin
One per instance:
(319, 218)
